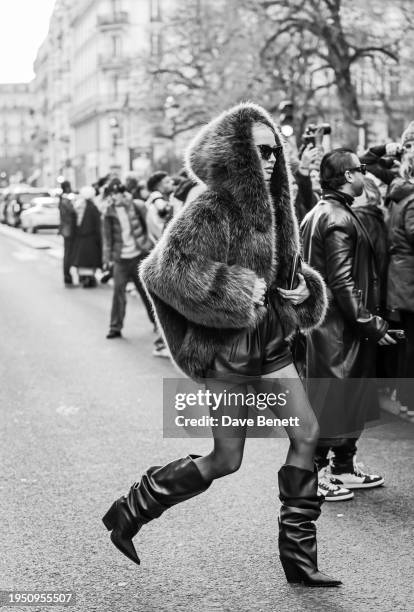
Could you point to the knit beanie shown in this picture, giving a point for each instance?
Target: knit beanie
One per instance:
(408, 134)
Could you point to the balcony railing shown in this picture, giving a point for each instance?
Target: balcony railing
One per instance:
(113, 62)
(111, 20)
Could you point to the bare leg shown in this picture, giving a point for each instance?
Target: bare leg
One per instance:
(227, 453)
(303, 438)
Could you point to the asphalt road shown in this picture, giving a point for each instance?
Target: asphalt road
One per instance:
(81, 419)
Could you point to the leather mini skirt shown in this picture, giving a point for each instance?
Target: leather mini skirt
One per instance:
(254, 352)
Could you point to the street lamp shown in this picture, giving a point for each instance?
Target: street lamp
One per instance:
(114, 128)
(171, 111)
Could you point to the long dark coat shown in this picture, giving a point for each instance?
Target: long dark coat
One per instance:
(401, 230)
(372, 218)
(88, 243)
(344, 347)
(201, 274)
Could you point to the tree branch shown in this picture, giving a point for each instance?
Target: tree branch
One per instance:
(368, 51)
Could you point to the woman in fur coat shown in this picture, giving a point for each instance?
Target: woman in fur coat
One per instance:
(215, 281)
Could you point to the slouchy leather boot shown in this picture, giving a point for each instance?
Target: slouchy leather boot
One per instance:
(159, 489)
(297, 533)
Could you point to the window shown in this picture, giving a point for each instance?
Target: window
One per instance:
(116, 6)
(115, 87)
(155, 10)
(156, 49)
(116, 46)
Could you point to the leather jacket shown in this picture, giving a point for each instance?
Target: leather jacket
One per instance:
(336, 243)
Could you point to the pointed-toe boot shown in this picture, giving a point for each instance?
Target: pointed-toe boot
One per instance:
(301, 505)
(159, 489)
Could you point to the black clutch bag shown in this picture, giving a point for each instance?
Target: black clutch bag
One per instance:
(295, 267)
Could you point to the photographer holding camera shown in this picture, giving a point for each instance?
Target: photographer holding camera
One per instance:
(383, 161)
(307, 173)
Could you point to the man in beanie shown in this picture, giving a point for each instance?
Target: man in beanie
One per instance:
(383, 160)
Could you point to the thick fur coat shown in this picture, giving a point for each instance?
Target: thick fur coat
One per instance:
(201, 274)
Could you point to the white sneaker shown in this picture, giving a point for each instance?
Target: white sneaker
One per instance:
(357, 479)
(330, 490)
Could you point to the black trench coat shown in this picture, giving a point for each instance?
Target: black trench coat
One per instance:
(88, 243)
(344, 347)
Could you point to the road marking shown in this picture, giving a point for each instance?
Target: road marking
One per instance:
(25, 255)
(67, 410)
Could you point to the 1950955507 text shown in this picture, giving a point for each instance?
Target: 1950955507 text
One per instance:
(31, 598)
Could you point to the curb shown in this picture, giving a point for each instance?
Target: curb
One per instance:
(393, 407)
(27, 239)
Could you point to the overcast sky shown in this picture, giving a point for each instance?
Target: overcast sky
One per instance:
(23, 27)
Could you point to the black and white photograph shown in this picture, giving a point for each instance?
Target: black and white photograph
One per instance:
(207, 305)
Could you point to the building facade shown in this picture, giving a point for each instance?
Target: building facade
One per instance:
(97, 111)
(53, 136)
(91, 92)
(16, 126)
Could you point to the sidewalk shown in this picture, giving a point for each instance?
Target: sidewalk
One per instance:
(393, 407)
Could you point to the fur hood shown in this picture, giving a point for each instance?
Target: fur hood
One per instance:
(201, 275)
(222, 155)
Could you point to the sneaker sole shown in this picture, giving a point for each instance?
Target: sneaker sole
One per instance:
(370, 485)
(341, 498)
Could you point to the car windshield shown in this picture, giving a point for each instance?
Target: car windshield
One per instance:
(45, 202)
(26, 198)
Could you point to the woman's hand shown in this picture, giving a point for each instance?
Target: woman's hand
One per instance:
(259, 291)
(298, 295)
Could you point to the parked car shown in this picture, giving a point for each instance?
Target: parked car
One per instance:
(7, 195)
(19, 199)
(43, 213)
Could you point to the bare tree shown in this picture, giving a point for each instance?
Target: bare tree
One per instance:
(333, 36)
(208, 61)
(215, 53)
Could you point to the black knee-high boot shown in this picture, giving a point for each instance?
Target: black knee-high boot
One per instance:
(159, 489)
(301, 505)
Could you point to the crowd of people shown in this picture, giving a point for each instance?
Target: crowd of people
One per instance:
(352, 220)
(113, 226)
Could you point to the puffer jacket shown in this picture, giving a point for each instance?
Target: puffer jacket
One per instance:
(201, 275)
(400, 288)
(112, 230)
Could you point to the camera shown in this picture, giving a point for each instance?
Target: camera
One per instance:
(108, 273)
(308, 136)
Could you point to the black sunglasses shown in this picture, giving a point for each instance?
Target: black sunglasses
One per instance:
(266, 151)
(362, 168)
